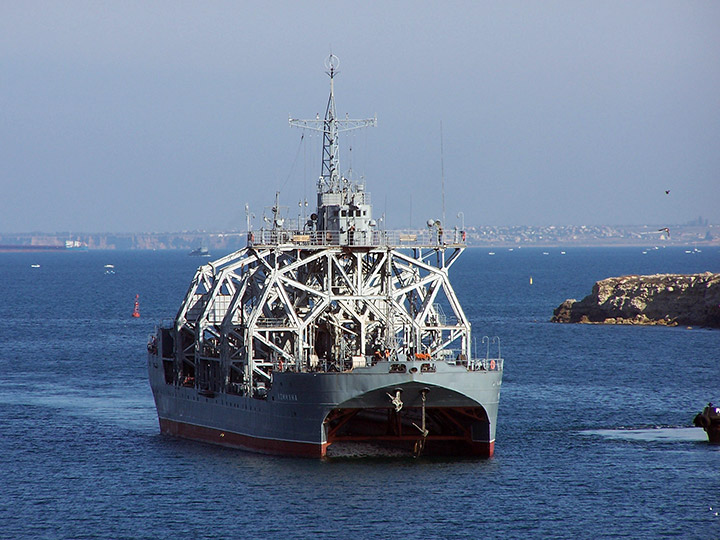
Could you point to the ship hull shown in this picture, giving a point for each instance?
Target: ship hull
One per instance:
(308, 414)
(241, 441)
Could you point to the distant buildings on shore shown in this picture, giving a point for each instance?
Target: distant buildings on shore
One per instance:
(698, 232)
(595, 235)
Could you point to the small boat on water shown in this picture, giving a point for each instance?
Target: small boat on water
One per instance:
(200, 252)
(709, 420)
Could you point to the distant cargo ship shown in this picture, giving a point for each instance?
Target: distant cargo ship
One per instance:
(29, 247)
(70, 245)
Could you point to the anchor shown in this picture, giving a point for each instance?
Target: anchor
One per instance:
(396, 400)
(420, 443)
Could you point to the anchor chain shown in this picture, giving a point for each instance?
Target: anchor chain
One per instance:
(420, 443)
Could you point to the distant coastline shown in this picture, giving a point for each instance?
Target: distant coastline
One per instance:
(697, 234)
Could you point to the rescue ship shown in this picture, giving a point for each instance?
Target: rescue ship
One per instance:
(327, 334)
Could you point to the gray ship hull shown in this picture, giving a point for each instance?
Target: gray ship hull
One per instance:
(304, 414)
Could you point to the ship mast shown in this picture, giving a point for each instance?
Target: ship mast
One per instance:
(331, 127)
(331, 150)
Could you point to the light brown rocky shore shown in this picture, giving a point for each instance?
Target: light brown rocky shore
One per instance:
(660, 299)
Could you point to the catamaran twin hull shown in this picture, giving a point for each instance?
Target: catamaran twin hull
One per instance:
(328, 331)
(306, 414)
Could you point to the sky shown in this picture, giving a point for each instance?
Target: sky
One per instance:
(172, 116)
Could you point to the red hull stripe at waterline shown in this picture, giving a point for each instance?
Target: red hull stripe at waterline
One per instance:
(235, 440)
(274, 446)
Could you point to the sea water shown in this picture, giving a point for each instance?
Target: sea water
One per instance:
(594, 436)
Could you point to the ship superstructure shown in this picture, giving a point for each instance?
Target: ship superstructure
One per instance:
(327, 333)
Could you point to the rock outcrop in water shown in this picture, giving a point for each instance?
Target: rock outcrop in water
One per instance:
(664, 299)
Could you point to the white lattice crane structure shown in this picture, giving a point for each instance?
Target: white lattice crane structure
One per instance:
(332, 295)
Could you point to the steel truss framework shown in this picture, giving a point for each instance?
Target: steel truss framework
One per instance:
(332, 309)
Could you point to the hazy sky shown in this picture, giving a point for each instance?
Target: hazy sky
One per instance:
(168, 116)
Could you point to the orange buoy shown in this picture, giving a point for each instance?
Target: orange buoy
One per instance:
(136, 311)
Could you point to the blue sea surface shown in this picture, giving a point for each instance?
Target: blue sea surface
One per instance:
(594, 436)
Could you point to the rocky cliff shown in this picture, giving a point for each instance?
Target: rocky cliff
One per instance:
(666, 299)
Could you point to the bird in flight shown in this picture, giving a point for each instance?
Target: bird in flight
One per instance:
(666, 230)
(667, 192)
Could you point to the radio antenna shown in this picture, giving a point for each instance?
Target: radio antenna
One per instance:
(442, 174)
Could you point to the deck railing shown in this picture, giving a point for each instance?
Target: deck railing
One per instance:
(288, 237)
(486, 364)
